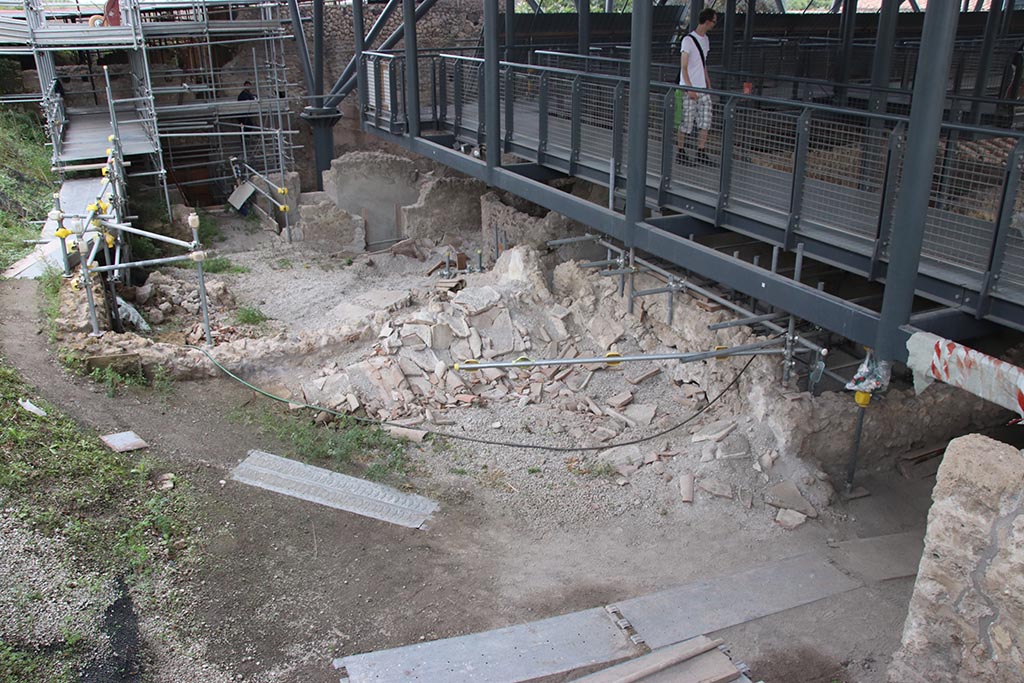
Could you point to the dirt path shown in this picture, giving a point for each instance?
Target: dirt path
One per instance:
(283, 585)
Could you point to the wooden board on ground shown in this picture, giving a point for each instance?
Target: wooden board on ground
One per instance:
(667, 659)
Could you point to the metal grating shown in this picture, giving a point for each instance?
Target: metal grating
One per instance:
(317, 485)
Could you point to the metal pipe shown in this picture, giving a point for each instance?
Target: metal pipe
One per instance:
(583, 26)
(318, 53)
(743, 349)
(145, 233)
(202, 293)
(142, 264)
(791, 331)
(752, 320)
(992, 25)
(882, 62)
(851, 468)
(358, 46)
(919, 162)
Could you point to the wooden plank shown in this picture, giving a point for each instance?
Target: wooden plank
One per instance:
(697, 652)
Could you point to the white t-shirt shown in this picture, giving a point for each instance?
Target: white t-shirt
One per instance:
(695, 67)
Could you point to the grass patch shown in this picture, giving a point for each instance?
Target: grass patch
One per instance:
(26, 184)
(345, 444)
(58, 479)
(222, 264)
(62, 479)
(250, 315)
(209, 231)
(114, 380)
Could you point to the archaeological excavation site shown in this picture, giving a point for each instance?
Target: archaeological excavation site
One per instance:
(457, 341)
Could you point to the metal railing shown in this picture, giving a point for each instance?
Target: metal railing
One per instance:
(810, 171)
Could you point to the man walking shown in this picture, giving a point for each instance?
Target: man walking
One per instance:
(693, 72)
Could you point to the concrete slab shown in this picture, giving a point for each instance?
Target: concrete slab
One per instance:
(123, 442)
(707, 606)
(881, 558)
(335, 490)
(525, 652)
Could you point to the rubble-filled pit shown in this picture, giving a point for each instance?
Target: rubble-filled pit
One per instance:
(562, 455)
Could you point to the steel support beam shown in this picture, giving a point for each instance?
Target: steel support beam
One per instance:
(748, 25)
(510, 29)
(300, 43)
(583, 21)
(412, 69)
(639, 108)
(882, 63)
(338, 93)
(847, 30)
(728, 35)
(696, 7)
(985, 57)
(490, 89)
(535, 172)
(683, 225)
(922, 137)
(358, 47)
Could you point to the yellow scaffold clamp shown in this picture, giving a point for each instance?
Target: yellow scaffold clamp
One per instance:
(283, 208)
(613, 354)
(282, 190)
(467, 365)
(62, 233)
(108, 238)
(862, 398)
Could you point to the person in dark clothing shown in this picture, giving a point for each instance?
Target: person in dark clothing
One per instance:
(246, 96)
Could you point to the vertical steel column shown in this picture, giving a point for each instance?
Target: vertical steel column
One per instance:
(639, 108)
(358, 47)
(318, 53)
(492, 114)
(583, 19)
(542, 118)
(882, 64)
(696, 7)
(922, 135)
(1011, 185)
(728, 33)
(748, 31)
(847, 29)
(510, 29)
(412, 70)
(985, 58)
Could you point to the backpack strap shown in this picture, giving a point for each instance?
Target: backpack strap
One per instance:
(700, 50)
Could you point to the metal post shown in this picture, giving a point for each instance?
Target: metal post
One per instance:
(302, 48)
(583, 19)
(847, 27)
(728, 32)
(696, 7)
(412, 70)
(492, 115)
(788, 364)
(748, 29)
(510, 29)
(922, 135)
(359, 46)
(985, 58)
(882, 63)
(202, 293)
(851, 468)
(639, 108)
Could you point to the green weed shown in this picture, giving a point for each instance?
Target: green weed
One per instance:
(222, 264)
(345, 444)
(250, 315)
(209, 230)
(26, 184)
(533, 470)
(283, 264)
(114, 380)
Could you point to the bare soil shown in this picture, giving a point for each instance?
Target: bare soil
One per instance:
(281, 586)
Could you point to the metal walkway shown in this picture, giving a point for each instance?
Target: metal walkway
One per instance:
(86, 136)
(782, 172)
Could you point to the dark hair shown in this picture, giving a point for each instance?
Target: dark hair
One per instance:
(247, 83)
(707, 14)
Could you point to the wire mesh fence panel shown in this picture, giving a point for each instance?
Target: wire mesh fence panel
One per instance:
(694, 164)
(762, 158)
(526, 102)
(964, 200)
(1010, 284)
(845, 174)
(597, 109)
(559, 117)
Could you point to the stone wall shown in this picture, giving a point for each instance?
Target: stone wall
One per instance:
(445, 205)
(375, 186)
(967, 613)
